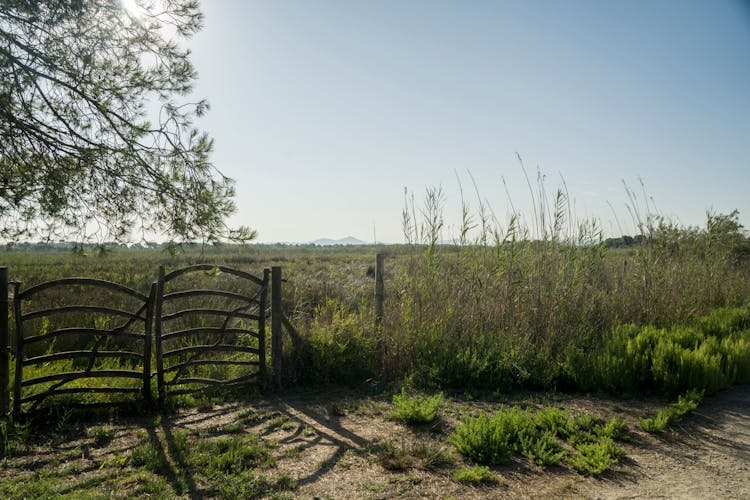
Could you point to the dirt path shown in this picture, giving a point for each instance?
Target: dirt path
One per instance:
(707, 456)
(326, 438)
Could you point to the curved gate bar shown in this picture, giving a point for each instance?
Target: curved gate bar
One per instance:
(217, 293)
(81, 281)
(62, 332)
(81, 308)
(211, 267)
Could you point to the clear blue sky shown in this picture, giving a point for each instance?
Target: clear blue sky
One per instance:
(323, 111)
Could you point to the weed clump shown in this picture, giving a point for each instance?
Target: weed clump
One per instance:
(231, 455)
(476, 474)
(596, 458)
(543, 449)
(426, 455)
(418, 409)
(483, 439)
(673, 413)
(617, 429)
(554, 420)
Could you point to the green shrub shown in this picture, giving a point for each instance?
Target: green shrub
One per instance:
(475, 474)
(543, 449)
(677, 368)
(594, 458)
(609, 445)
(584, 422)
(483, 440)
(735, 350)
(340, 346)
(518, 424)
(674, 412)
(489, 440)
(582, 437)
(709, 356)
(418, 409)
(722, 321)
(656, 423)
(554, 420)
(616, 428)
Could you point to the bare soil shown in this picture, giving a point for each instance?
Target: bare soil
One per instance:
(324, 438)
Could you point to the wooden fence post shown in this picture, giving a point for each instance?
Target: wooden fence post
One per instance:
(276, 313)
(148, 342)
(263, 301)
(157, 339)
(379, 290)
(17, 350)
(4, 345)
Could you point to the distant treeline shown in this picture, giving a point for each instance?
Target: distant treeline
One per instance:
(624, 241)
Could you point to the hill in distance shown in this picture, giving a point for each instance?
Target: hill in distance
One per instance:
(349, 240)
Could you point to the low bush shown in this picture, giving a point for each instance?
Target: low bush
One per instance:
(673, 413)
(543, 449)
(417, 409)
(554, 420)
(340, 346)
(708, 355)
(483, 439)
(595, 458)
(617, 429)
(518, 425)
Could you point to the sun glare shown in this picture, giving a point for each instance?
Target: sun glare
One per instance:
(131, 6)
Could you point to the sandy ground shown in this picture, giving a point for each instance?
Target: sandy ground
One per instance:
(327, 441)
(706, 456)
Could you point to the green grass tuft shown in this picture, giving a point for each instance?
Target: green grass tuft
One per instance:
(418, 409)
(475, 475)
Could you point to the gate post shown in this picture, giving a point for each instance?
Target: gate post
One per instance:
(4, 345)
(263, 301)
(276, 313)
(17, 350)
(157, 335)
(148, 342)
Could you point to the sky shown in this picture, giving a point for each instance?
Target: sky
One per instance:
(324, 112)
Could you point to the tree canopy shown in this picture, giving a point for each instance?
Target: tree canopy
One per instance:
(83, 149)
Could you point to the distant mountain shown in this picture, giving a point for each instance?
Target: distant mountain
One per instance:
(349, 240)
